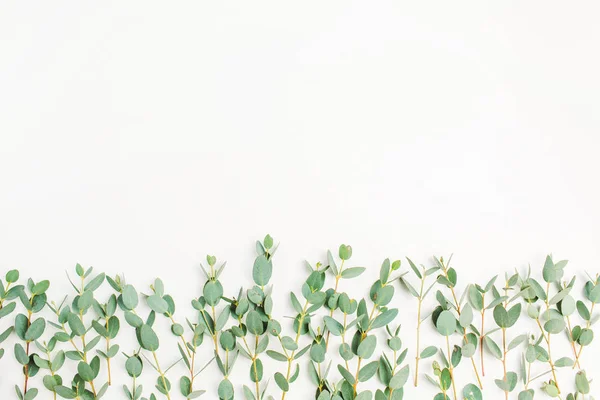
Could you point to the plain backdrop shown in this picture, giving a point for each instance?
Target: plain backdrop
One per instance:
(137, 137)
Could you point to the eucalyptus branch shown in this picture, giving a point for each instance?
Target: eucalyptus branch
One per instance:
(449, 278)
(476, 297)
(314, 299)
(584, 336)
(392, 379)
(8, 293)
(505, 318)
(147, 338)
(258, 319)
(163, 304)
(28, 329)
(364, 343)
(344, 253)
(420, 295)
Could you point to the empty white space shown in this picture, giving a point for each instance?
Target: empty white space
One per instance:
(137, 137)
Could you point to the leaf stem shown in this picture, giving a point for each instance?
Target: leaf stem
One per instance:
(587, 327)
(337, 281)
(291, 358)
(256, 380)
(464, 329)
(418, 350)
(162, 375)
(482, 334)
(504, 352)
(451, 367)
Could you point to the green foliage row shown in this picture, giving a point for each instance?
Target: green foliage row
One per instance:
(328, 322)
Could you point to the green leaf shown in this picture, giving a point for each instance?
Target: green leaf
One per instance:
(7, 309)
(345, 252)
(513, 314)
(367, 346)
(134, 366)
(12, 276)
(445, 379)
(564, 362)
(276, 356)
(501, 316)
(384, 318)
(282, 382)
(40, 288)
(414, 268)
(85, 300)
(517, 341)
(95, 283)
(595, 294)
(400, 378)
(76, 325)
(466, 316)
(456, 356)
(583, 310)
(85, 371)
(509, 384)
(585, 337)
(472, 392)
(492, 347)
(475, 298)
(333, 326)
(129, 297)
(268, 242)
(428, 352)
(147, 338)
(157, 304)
(31, 394)
(352, 272)
(452, 278)
(21, 355)
(554, 326)
(346, 352)
(212, 291)
(346, 374)
(21, 322)
(254, 323)
(385, 270)
(256, 370)
(65, 392)
(582, 383)
(262, 270)
(368, 371)
(446, 323)
(35, 330)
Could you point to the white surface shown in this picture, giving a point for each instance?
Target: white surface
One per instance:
(138, 137)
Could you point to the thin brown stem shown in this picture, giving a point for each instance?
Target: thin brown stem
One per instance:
(457, 304)
(108, 358)
(26, 368)
(255, 368)
(451, 367)
(588, 327)
(418, 350)
(482, 334)
(576, 363)
(337, 281)
(504, 352)
(344, 337)
(162, 375)
(356, 376)
(291, 358)
(550, 362)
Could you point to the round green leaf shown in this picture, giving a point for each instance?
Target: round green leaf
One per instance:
(446, 323)
(147, 338)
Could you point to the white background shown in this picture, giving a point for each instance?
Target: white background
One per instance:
(137, 137)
